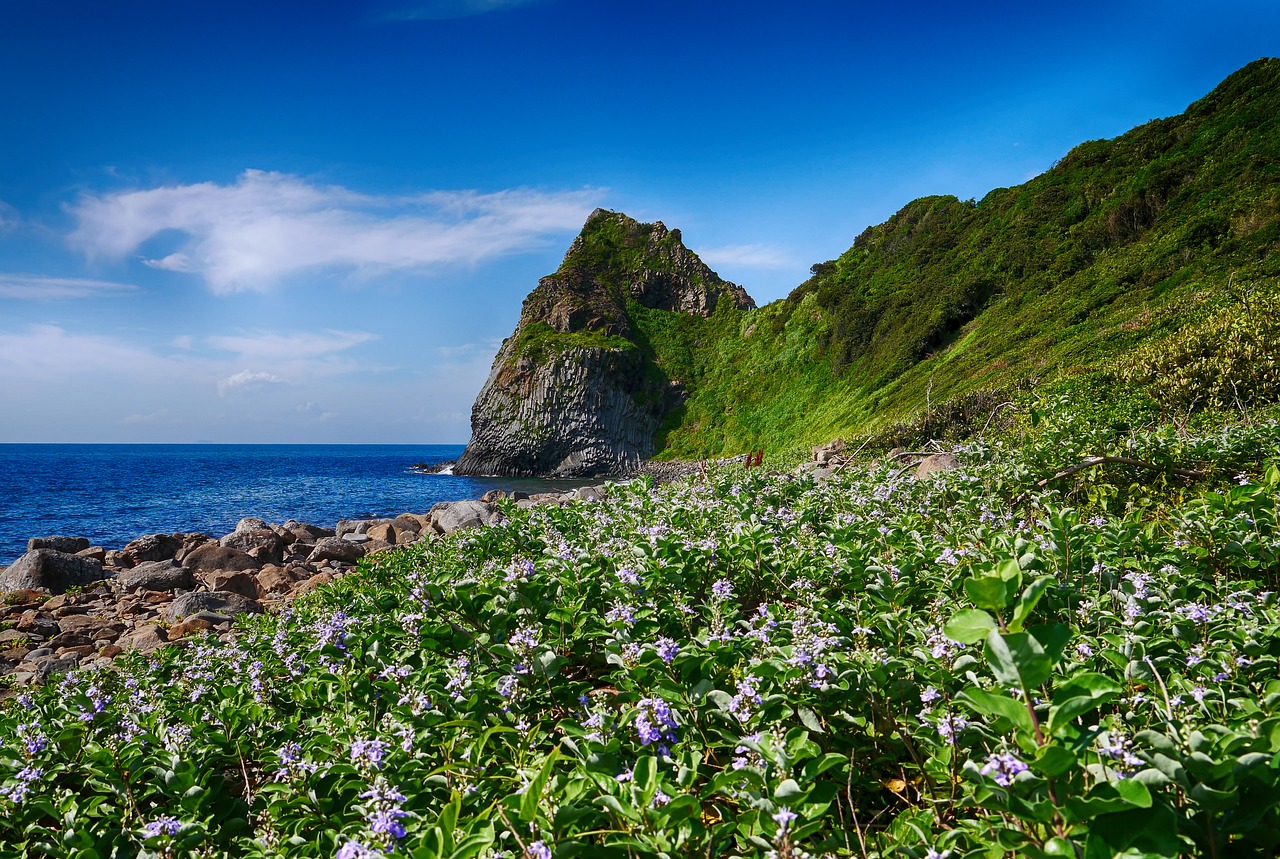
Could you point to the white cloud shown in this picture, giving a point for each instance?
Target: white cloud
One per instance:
(746, 256)
(270, 345)
(8, 216)
(40, 288)
(247, 379)
(266, 227)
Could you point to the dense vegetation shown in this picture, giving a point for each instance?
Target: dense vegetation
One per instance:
(1004, 659)
(1119, 245)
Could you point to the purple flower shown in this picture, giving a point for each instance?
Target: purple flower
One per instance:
(929, 695)
(537, 850)
(722, 590)
(1002, 768)
(659, 799)
(25, 778)
(784, 817)
(356, 850)
(30, 735)
(654, 722)
(628, 577)
(667, 649)
(166, 826)
(621, 613)
(369, 752)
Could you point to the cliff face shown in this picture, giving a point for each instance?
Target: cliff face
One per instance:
(575, 391)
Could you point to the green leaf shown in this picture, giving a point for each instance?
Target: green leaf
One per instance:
(1011, 571)
(1027, 601)
(989, 592)
(1083, 693)
(1018, 660)
(532, 796)
(1002, 706)
(1053, 638)
(1052, 761)
(969, 626)
(810, 720)
(789, 791)
(1134, 792)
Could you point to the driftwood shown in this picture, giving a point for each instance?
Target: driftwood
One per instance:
(1115, 460)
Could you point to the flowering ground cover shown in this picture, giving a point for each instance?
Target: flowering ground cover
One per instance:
(988, 662)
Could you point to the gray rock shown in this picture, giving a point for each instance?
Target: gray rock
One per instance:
(48, 667)
(50, 570)
(336, 549)
(144, 638)
(70, 545)
(154, 576)
(457, 515)
(252, 523)
(937, 464)
(211, 557)
(356, 538)
(262, 543)
(307, 534)
(219, 602)
(153, 547)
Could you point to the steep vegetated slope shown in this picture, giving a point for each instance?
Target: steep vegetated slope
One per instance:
(1122, 243)
(1147, 261)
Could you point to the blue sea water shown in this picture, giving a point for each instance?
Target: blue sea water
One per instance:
(112, 493)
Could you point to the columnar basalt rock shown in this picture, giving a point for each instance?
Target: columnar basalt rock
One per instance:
(574, 392)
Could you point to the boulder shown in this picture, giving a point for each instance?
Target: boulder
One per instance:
(306, 586)
(273, 580)
(38, 624)
(155, 576)
(937, 464)
(261, 543)
(240, 582)
(96, 552)
(221, 602)
(153, 547)
(50, 570)
(211, 556)
(407, 522)
(454, 516)
(308, 534)
(384, 531)
(144, 638)
(252, 523)
(70, 545)
(336, 549)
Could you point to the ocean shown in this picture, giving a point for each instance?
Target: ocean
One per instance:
(112, 493)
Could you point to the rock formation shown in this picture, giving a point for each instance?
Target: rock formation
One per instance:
(575, 391)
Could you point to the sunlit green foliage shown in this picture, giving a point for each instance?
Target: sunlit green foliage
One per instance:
(995, 661)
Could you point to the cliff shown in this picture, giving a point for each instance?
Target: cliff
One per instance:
(579, 389)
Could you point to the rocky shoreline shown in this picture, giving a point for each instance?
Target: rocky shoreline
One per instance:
(66, 604)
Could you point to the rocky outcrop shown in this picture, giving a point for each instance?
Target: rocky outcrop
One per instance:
(576, 391)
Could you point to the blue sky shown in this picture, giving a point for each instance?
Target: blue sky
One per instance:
(315, 221)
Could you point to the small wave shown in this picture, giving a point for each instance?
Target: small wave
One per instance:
(448, 469)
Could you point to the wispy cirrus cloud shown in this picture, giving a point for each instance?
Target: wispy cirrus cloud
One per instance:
(747, 256)
(34, 287)
(270, 345)
(266, 227)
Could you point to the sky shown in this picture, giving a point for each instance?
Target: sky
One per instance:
(314, 222)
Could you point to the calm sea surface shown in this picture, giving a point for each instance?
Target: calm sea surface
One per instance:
(112, 493)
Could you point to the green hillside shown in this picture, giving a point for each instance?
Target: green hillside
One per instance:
(1098, 265)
